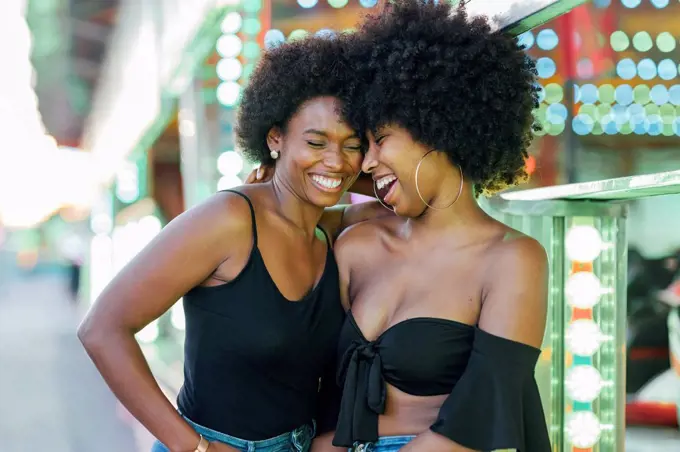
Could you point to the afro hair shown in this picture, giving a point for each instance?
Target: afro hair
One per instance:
(452, 82)
(286, 77)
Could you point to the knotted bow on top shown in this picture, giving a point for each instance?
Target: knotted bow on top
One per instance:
(363, 396)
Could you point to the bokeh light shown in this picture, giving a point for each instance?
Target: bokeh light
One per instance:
(526, 40)
(338, 3)
(297, 34)
(583, 383)
(631, 3)
(626, 69)
(642, 41)
(228, 93)
(646, 69)
(619, 41)
(546, 67)
(667, 69)
(547, 39)
(553, 93)
(229, 69)
(665, 42)
(583, 427)
(229, 46)
(252, 26)
(273, 38)
(232, 23)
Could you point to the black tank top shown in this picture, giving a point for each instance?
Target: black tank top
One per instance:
(253, 359)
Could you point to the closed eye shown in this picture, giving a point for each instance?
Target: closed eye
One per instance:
(315, 144)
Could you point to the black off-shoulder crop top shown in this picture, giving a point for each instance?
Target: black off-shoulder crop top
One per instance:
(494, 401)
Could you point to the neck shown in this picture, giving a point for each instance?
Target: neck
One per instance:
(299, 212)
(465, 213)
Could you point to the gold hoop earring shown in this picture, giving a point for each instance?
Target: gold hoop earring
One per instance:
(391, 209)
(460, 189)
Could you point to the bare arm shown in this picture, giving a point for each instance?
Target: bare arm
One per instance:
(514, 307)
(183, 255)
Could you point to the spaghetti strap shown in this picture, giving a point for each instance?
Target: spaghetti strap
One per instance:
(252, 213)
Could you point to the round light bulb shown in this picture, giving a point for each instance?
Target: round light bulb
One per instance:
(230, 163)
(583, 243)
(583, 429)
(229, 69)
(229, 46)
(232, 23)
(583, 290)
(228, 93)
(583, 383)
(583, 337)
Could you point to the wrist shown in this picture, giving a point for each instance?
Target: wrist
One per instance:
(203, 445)
(186, 444)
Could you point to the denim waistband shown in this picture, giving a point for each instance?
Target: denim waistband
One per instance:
(300, 438)
(384, 443)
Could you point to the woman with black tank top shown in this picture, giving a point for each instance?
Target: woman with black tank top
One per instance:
(446, 306)
(255, 268)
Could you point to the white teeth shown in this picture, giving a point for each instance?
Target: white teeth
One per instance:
(327, 182)
(385, 181)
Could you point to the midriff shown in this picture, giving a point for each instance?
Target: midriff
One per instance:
(406, 414)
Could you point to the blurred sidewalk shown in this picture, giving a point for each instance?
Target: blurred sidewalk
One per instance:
(52, 397)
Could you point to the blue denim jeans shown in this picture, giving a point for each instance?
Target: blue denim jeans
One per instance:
(384, 444)
(299, 440)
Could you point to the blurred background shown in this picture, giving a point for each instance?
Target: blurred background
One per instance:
(117, 115)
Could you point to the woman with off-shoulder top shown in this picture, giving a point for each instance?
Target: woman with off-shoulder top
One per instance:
(446, 306)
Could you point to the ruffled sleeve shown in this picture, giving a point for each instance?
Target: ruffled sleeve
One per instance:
(496, 403)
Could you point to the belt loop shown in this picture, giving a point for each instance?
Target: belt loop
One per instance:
(251, 446)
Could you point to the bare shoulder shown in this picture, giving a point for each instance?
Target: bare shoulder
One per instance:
(515, 298)
(519, 251)
(219, 227)
(358, 235)
(360, 242)
(225, 213)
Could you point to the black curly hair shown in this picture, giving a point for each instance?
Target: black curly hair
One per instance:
(285, 78)
(452, 82)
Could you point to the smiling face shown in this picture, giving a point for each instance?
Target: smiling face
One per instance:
(320, 155)
(392, 158)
